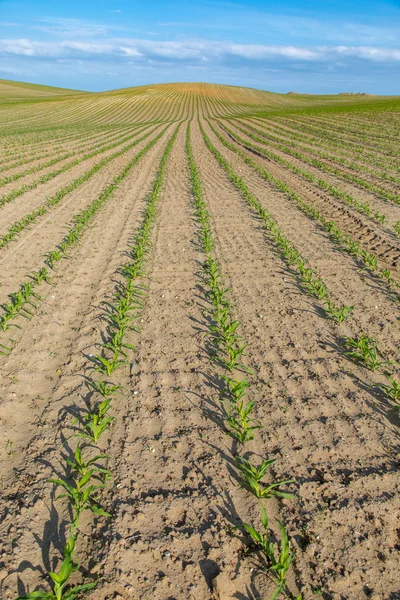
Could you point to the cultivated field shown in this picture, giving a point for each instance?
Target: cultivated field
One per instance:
(199, 324)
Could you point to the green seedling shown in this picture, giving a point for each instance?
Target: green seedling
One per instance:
(95, 424)
(392, 391)
(319, 289)
(80, 466)
(354, 248)
(370, 260)
(60, 579)
(386, 274)
(380, 217)
(117, 344)
(53, 258)
(235, 390)
(365, 351)
(82, 495)
(9, 448)
(5, 351)
(338, 314)
(41, 275)
(103, 388)
(279, 558)
(107, 366)
(242, 426)
(253, 476)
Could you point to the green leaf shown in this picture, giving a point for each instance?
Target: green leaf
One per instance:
(41, 595)
(264, 517)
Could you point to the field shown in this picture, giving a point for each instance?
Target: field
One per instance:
(199, 333)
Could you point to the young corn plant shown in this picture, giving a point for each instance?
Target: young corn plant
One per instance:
(279, 557)
(365, 351)
(82, 494)
(107, 366)
(83, 467)
(104, 388)
(60, 579)
(252, 479)
(339, 314)
(41, 275)
(242, 425)
(4, 350)
(392, 391)
(94, 424)
(234, 390)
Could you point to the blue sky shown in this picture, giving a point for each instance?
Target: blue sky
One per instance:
(322, 46)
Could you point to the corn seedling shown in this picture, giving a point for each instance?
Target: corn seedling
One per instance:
(107, 366)
(338, 314)
(60, 579)
(80, 466)
(279, 558)
(253, 476)
(241, 423)
(4, 350)
(103, 388)
(392, 391)
(82, 495)
(41, 275)
(96, 423)
(364, 350)
(235, 390)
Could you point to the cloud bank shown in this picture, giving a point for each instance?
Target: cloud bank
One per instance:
(194, 51)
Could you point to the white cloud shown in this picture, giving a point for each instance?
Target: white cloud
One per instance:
(370, 53)
(194, 51)
(259, 51)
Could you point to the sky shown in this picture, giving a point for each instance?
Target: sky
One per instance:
(309, 46)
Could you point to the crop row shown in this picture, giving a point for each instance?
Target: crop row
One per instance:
(346, 242)
(51, 202)
(9, 197)
(360, 129)
(23, 300)
(358, 161)
(228, 350)
(342, 159)
(88, 473)
(92, 144)
(336, 192)
(36, 154)
(328, 134)
(376, 189)
(356, 152)
(365, 348)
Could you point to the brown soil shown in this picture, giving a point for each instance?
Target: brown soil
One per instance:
(175, 530)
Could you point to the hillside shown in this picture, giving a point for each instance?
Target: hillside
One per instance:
(199, 344)
(74, 106)
(16, 90)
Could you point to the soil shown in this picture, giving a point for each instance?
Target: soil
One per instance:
(175, 530)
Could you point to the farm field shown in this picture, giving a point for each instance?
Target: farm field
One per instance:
(199, 344)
